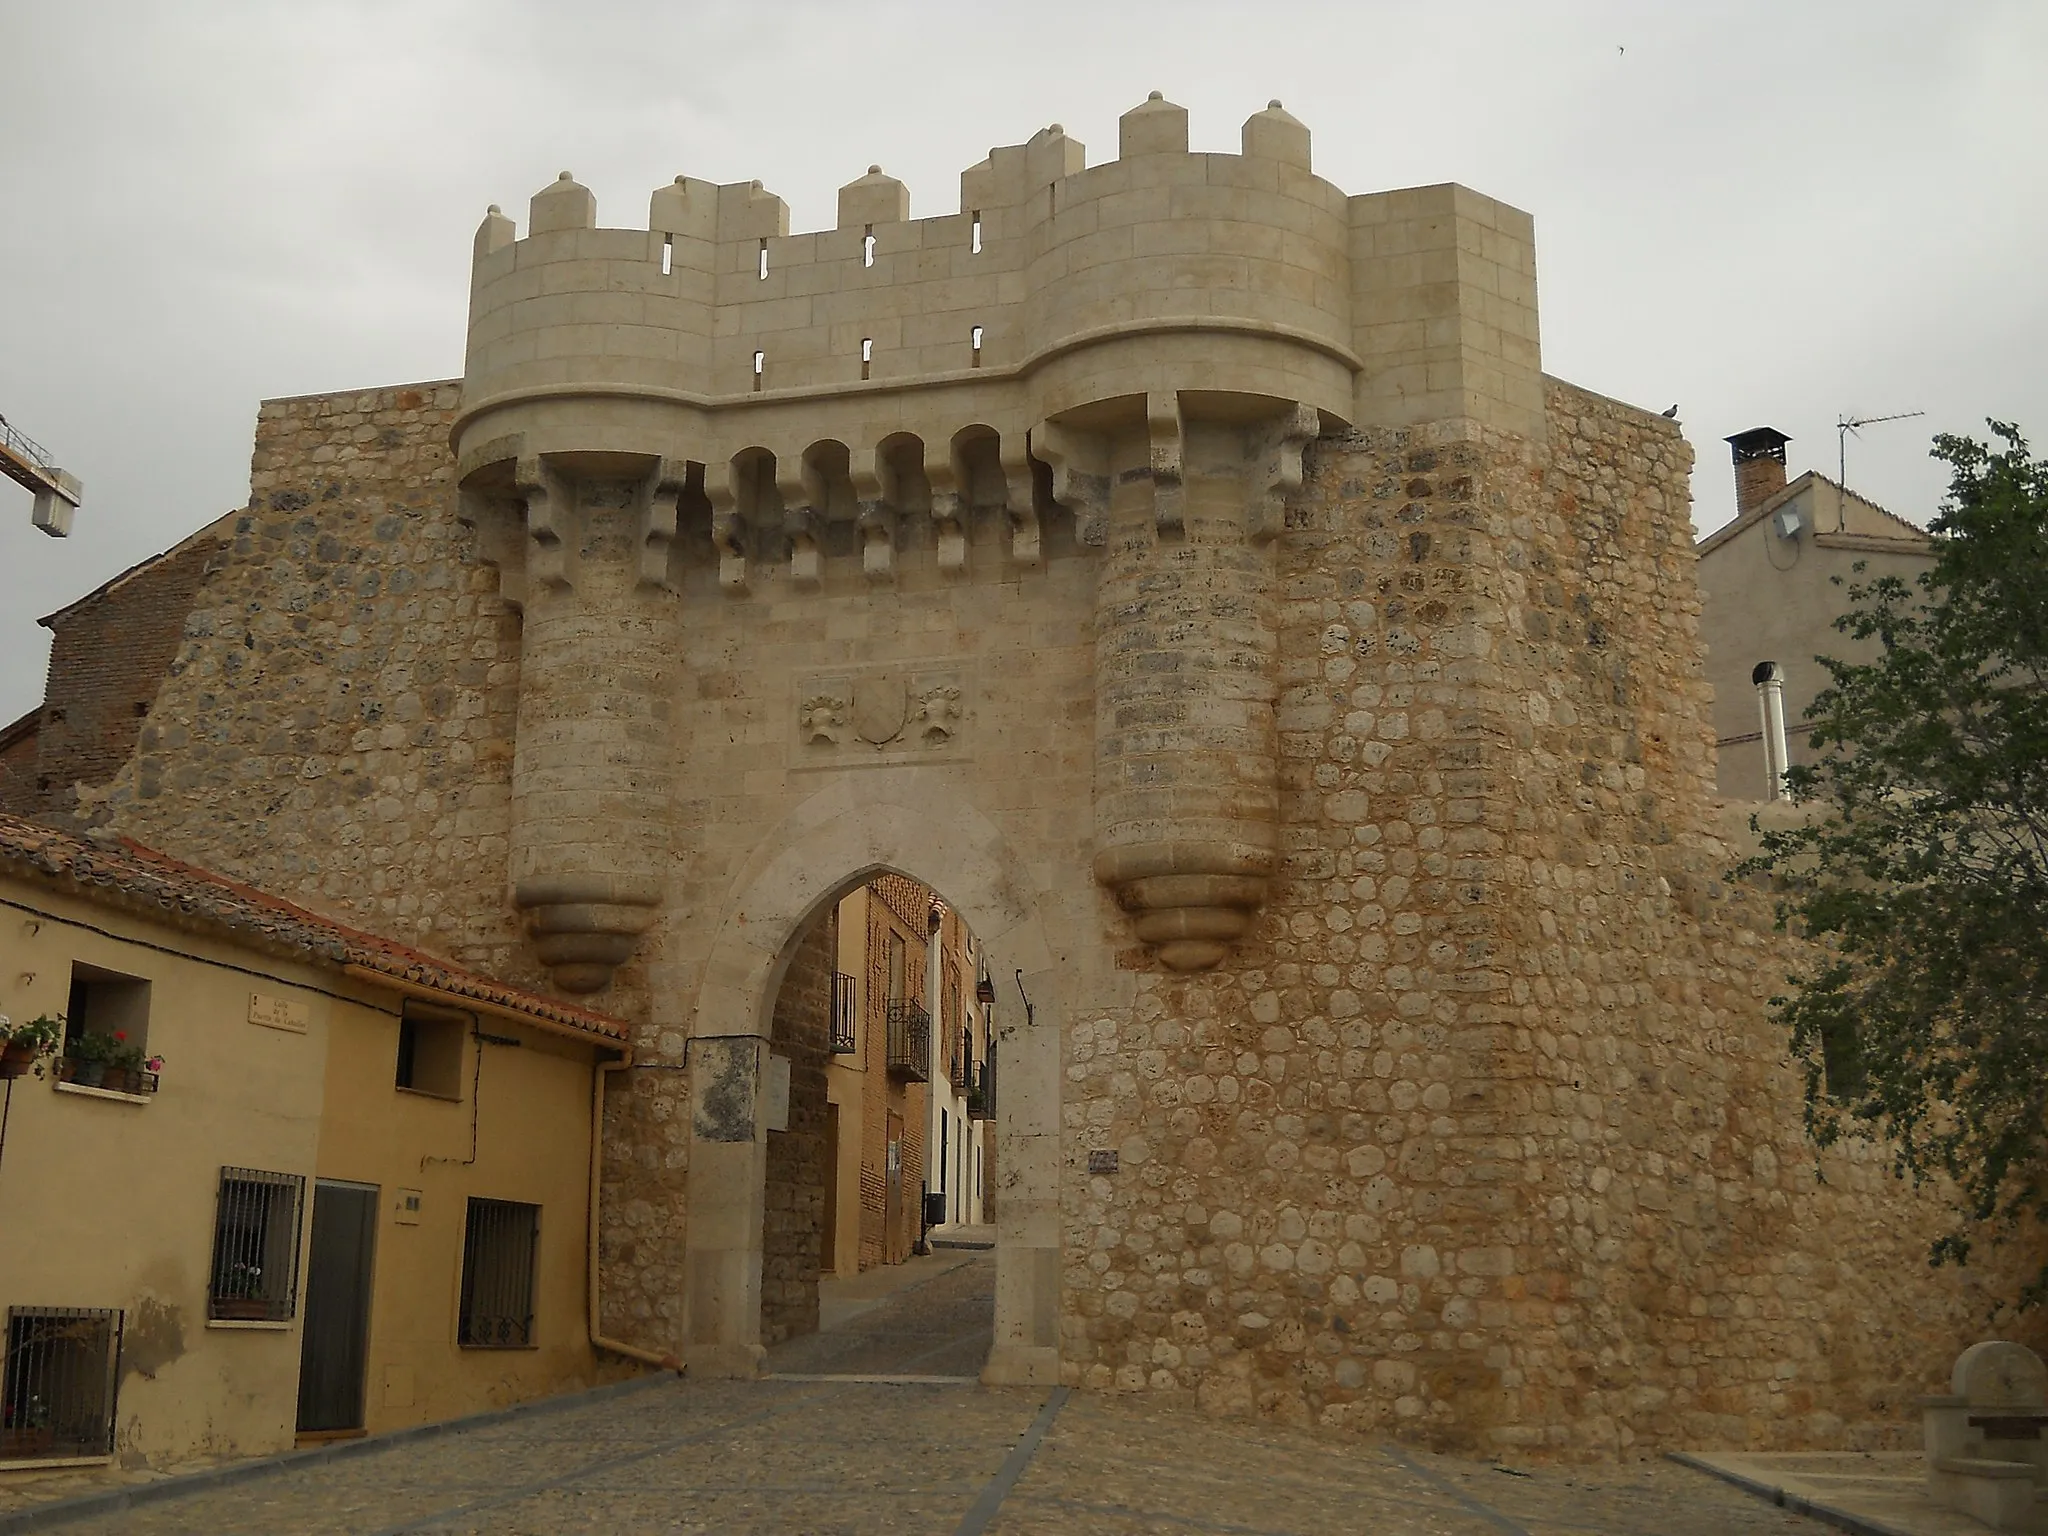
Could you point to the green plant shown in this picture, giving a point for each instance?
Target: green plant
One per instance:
(34, 1414)
(1922, 1010)
(88, 1045)
(124, 1055)
(37, 1038)
(242, 1282)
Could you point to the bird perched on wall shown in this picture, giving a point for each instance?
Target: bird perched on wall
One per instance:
(1672, 413)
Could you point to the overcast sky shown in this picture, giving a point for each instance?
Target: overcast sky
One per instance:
(1767, 213)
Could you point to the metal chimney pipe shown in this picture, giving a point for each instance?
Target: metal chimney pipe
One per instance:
(1770, 697)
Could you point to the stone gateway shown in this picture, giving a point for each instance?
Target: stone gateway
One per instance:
(1185, 568)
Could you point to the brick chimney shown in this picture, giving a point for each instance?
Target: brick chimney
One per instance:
(1759, 467)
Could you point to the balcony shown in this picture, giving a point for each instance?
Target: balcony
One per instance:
(844, 1041)
(910, 1042)
(981, 1093)
(962, 1064)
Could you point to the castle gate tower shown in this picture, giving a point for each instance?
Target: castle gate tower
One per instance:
(1182, 566)
(1114, 370)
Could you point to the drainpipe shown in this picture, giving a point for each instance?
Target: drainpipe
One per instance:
(1770, 697)
(598, 1340)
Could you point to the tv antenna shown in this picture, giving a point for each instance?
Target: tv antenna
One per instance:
(1845, 427)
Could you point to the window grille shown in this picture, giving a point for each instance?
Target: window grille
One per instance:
(256, 1246)
(498, 1249)
(57, 1388)
(843, 1040)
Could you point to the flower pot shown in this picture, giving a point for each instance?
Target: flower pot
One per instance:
(117, 1079)
(88, 1074)
(16, 1059)
(16, 1444)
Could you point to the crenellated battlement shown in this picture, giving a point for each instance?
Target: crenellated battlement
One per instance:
(1056, 285)
(1142, 348)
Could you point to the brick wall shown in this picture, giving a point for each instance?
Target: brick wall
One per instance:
(793, 1225)
(901, 906)
(109, 656)
(18, 766)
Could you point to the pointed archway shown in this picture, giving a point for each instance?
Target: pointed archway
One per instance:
(914, 823)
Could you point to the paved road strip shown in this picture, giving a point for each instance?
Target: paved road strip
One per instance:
(114, 1501)
(1444, 1485)
(879, 1381)
(607, 1464)
(985, 1505)
(1785, 1498)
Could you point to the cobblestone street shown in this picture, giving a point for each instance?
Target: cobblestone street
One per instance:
(802, 1453)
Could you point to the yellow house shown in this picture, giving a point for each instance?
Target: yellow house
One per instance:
(353, 1194)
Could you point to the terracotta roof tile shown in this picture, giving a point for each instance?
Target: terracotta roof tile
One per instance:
(161, 885)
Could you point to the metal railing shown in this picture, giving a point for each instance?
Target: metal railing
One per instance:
(845, 1041)
(981, 1093)
(962, 1064)
(910, 1042)
(57, 1387)
(22, 446)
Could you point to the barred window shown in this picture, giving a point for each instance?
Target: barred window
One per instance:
(498, 1249)
(63, 1367)
(845, 1041)
(256, 1246)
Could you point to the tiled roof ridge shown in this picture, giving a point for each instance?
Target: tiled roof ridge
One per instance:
(1743, 521)
(121, 578)
(141, 871)
(1883, 511)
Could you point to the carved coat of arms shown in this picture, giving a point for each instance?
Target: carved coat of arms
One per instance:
(881, 704)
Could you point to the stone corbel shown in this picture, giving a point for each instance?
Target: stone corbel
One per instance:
(501, 541)
(874, 495)
(664, 490)
(550, 506)
(721, 488)
(1163, 427)
(1275, 461)
(949, 510)
(584, 927)
(803, 516)
(1020, 499)
(1080, 477)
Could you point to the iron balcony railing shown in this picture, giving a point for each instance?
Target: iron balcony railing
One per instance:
(844, 1042)
(962, 1063)
(910, 1042)
(981, 1093)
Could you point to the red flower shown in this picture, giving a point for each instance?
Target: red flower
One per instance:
(120, 1034)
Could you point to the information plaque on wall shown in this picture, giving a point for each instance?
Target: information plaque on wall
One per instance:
(279, 1012)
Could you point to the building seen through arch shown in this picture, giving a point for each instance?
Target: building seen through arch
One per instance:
(888, 1132)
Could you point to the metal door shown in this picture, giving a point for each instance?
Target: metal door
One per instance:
(334, 1354)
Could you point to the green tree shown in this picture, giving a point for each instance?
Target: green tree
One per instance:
(1923, 871)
